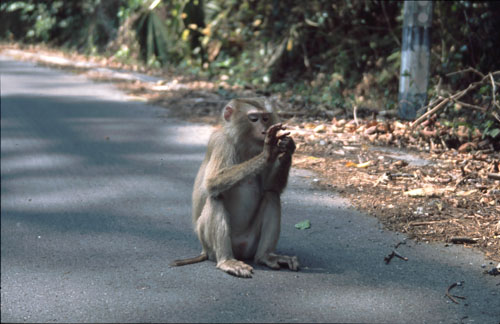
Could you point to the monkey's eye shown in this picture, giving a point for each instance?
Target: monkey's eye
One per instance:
(265, 119)
(253, 117)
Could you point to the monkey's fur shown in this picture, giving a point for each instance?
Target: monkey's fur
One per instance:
(236, 196)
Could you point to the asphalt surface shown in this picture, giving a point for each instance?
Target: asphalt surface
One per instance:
(95, 202)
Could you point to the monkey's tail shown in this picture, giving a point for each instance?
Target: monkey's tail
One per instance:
(200, 258)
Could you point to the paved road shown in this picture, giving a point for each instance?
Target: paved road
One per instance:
(95, 194)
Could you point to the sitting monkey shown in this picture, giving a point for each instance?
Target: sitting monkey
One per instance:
(236, 196)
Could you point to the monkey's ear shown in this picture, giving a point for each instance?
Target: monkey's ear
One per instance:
(228, 111)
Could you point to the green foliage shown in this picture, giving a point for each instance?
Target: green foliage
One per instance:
(152, 37)
(489, 129)
(87, 25)
(466, 33)
(31, 20)
(168, 33)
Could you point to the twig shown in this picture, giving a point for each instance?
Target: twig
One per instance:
(463, 240)
(388, 258)
(493, 90)
(456, 96)
(451, 298)
(430, 112)
(496, 73)
(400, 256)
(426, 223)
(354, 113)
(459, 94)
(402, 175)
(393, 254)
(469, 69)
(400, 243)
(439, 85)
(496, 116)
(494, 176)
(453, 285)
(443, 142)
(278, 52)
(470, 106)
(307, 64)
(431, 103)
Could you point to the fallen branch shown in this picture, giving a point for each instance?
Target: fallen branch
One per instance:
(393, 254)
(463, 240)
(430, 112)
(494, 176)
(426, 223)
(456, 96)
(452, 297)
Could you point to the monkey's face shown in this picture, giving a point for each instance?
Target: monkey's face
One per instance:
(259, 122)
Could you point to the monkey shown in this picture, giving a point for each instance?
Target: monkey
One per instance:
(236, 197)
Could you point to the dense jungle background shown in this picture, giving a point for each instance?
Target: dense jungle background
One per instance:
(321, 54)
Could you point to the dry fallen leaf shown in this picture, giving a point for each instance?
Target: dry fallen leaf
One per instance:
(320, 129)
(303, 225)
(350, 164)
(307, 159)
(425, 192)
(466, 193)
(359, 165)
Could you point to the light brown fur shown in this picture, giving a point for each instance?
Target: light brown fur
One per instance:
(236, 196)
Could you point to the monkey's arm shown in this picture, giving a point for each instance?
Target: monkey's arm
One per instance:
(220, 179)
(225, 178)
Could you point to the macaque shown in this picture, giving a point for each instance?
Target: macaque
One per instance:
(236, 196)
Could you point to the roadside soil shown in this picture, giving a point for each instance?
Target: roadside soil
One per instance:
(413, 181)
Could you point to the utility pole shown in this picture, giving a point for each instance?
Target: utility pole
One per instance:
(415, 56)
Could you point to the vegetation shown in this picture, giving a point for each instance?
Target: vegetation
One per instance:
(321, 56)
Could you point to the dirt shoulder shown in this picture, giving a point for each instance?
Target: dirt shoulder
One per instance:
(408, 180)
(431, 196)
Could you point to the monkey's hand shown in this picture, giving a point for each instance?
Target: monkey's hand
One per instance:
(286, 148)
(286, 145)
(271, 148)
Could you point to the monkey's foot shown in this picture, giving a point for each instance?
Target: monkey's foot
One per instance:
(236, 268)
(274, 261)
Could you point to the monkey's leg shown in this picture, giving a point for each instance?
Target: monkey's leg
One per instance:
(215, 235)
(269, 215)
